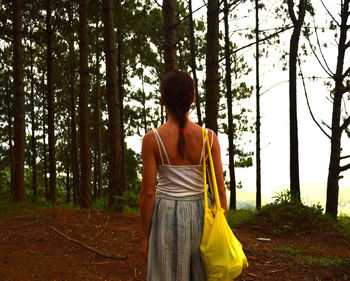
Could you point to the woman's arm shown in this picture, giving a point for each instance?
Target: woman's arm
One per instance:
(147, 195)
(216, 154)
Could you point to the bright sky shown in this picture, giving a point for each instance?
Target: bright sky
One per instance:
(314, 146)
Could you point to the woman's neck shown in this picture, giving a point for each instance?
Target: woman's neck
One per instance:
(173, 119)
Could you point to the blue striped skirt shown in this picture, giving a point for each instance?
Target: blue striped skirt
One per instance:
(176, 233)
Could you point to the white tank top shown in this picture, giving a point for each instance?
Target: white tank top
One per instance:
(178, 181)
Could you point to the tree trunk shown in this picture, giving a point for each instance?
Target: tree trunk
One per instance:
(68, 181)
(229, 110)
(212, 65)
(193, 63)
(74, 143)
(85, 180)
(143, 102)
(169, 28)
(121, 94)
(258, 162)
(50, 106)
(293, 55)
(98, 146)
(9, 116)
(113, 100)
(19, 123)
(44, 156)
(334, 165)
(34, 166)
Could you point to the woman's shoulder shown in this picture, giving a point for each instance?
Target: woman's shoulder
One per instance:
(148, 138)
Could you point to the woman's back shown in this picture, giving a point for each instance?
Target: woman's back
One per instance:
(192, 151)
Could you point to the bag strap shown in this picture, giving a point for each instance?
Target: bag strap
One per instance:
(211, 172)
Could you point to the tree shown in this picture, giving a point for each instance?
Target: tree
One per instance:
(169, 27)
(85, 181)
(19, 123)
(258, 162)
(212, 65)
(229, 110)
(340, 78)
(74, 143)
(193, 61)
(115, 163)
(293, 55)
(50, 105)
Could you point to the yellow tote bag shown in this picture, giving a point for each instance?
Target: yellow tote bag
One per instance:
(221, 252)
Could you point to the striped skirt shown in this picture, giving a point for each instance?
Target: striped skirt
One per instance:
(176, 233)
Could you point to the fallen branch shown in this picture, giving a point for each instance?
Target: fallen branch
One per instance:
(88, 247)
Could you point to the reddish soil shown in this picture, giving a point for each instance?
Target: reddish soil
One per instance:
(31, 250)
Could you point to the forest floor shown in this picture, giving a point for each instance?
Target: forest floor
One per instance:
(32, 249)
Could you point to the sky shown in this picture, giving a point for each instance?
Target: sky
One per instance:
(314, 146)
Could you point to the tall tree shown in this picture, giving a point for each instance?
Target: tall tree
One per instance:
(50, 105)
(340, 78)
(212, 66)
(33, 125)
(258, 162)
(229, 109)
(19, 123)
(121, 92)
(193, 62)
(169, 28)
(113, 100)
(85, 180)
(74, 143)
(293, 55)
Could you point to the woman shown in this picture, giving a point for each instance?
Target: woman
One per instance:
(172, 212)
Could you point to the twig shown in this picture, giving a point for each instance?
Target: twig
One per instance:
(308, 103)
(38, 221)
(135, 272)
(88, 247)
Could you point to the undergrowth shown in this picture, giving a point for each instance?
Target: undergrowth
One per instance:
(287, 216)
(315, 260)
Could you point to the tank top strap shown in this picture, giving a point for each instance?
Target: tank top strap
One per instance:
(211, 145)
(159, 140)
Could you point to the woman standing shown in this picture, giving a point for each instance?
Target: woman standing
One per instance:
(172, 211)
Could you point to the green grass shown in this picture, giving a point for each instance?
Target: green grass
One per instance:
(313, 260)
(345, 223)
(237, 218)
(290, 250)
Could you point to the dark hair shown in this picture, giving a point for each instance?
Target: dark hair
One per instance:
(177, 93)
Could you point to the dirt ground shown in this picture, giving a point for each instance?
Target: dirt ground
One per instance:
(31, 249)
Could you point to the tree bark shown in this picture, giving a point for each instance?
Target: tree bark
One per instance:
(74, 143)
(68, 181)
(337, 129)
(98, 146)
(121, 94)
(44, 156)
(19, 122)
(11, 150)
(193, 62)
(34, 166)
(258, 161)
(212, 65)
(169, 28)
(229, 110)
(293, 55)
(85, 180)
(113, 100)
(50, 106)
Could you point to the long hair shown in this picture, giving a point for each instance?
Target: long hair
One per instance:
(177, 93)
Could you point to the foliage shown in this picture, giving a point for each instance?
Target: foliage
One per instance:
(291, 250)
(345, 223)
(286, 217)
(237, 218)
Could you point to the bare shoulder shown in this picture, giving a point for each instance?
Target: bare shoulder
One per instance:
(148, 139)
